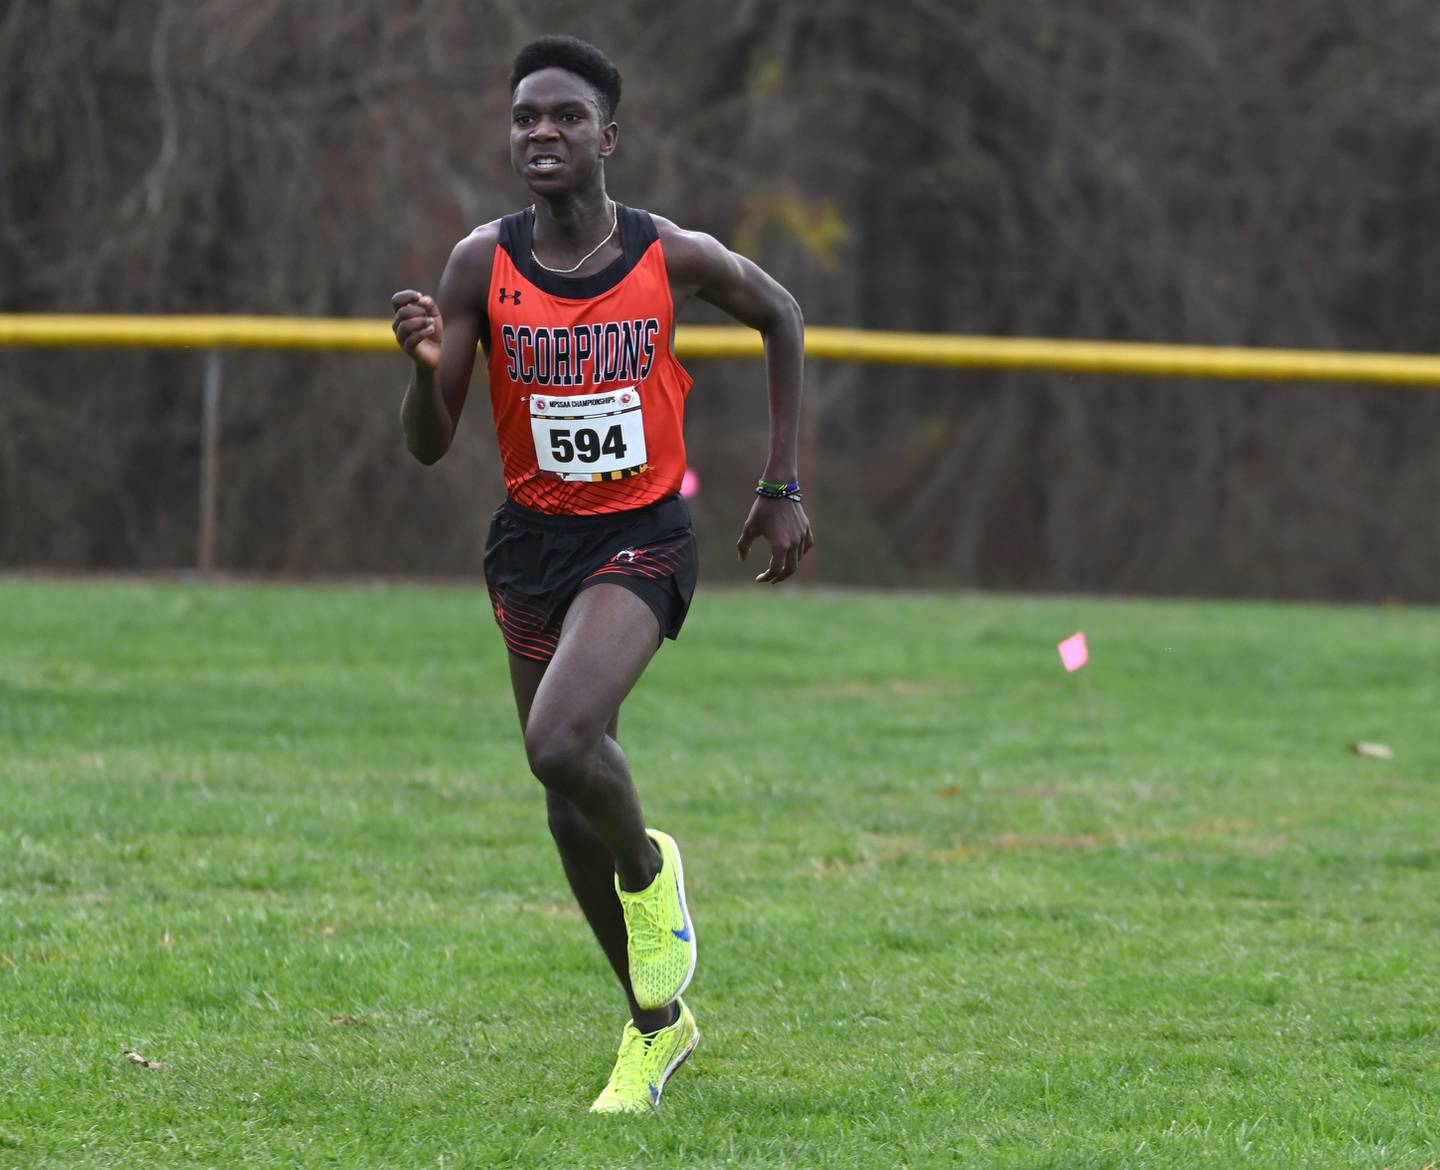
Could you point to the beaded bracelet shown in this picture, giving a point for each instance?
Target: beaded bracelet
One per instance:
(767, 490)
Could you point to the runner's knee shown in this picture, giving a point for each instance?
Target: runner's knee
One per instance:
(560, 752)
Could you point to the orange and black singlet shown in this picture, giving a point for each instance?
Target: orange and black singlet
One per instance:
(587, 394)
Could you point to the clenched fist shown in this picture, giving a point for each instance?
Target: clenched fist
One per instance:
(418, 327)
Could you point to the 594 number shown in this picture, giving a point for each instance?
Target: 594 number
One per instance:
(586, 445)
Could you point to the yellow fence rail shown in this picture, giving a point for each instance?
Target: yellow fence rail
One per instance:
(715, 341)
(211, 335)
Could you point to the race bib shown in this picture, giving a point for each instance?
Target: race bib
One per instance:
(590, 436)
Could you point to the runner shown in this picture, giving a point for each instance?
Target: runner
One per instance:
(591, 559)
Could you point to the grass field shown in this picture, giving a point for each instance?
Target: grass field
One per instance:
(955, 906)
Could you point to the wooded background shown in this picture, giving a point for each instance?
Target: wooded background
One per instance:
(1239, 172)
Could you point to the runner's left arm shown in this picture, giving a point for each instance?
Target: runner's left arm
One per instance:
(701, 266)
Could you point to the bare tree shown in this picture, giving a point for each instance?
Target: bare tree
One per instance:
(1243, 172)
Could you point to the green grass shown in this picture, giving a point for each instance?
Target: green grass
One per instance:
(955, 906)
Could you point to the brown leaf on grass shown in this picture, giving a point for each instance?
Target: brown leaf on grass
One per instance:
(327, 929)
(1373, 751)
(949, 791)
(136, 1058)
(344, 1019)
(168, 940)
(8, 961)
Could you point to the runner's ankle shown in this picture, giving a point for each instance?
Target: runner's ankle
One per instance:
(648, 1023)
(633, 881)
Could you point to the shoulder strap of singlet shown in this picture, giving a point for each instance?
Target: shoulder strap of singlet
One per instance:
(637, 232)
(515, 237)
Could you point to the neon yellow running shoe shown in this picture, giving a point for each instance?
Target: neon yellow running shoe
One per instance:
(644, 1065)
(661, 939)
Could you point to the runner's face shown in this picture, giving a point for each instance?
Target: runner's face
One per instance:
(557, 138)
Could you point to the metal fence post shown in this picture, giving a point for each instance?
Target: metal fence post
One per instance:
(209, 462)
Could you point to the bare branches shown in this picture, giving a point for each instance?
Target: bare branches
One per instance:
(1243, 173)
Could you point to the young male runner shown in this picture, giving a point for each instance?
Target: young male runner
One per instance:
(591, 558)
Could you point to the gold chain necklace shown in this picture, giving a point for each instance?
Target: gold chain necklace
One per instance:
(614, 219)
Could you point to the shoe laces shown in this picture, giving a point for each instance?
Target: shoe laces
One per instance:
(645, 923)
(632, 1069)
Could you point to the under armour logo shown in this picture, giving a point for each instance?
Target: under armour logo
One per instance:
(514, 297)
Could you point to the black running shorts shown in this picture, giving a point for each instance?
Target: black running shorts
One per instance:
(536, 564)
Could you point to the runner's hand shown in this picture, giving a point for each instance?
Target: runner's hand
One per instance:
(418, 327)
(786, 530)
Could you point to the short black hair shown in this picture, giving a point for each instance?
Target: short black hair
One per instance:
(575, 56)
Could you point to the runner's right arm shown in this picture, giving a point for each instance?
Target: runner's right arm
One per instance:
(440, 334)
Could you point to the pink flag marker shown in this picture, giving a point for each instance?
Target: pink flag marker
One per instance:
(690, 485)
(1073, 652)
